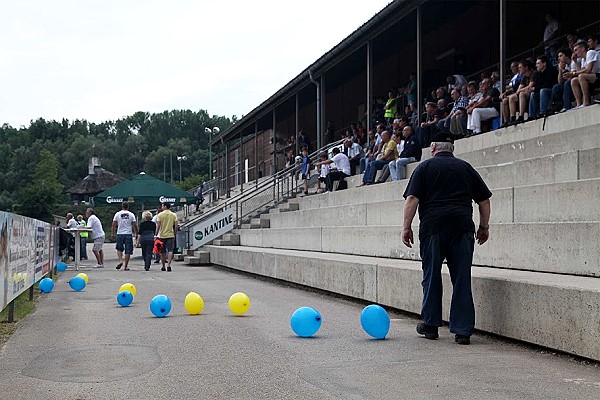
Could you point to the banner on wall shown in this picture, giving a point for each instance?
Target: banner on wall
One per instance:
(27, 253)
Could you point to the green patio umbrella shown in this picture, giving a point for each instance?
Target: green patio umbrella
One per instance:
(144, 189)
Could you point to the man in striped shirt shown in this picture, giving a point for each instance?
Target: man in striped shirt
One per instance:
(460, 101)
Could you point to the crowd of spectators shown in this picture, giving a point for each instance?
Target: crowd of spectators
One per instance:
(459, 107)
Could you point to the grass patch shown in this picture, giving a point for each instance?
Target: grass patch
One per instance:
(23, 307)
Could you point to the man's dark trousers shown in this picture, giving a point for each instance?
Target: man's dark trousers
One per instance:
(457, 248)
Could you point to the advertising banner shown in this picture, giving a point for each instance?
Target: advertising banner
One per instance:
(212, 228)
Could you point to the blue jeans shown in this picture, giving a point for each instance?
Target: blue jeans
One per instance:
(125, 244)
(563, 90)
(457, 249)
(364, 162)
(372, 168)
(397, 168)
(538, 101)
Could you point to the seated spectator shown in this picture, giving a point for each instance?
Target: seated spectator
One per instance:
(543, 79)
(456, 82)
(342, 168)
(562, 92)
(496, 84)
(322, 173)
(458, 122)
(592, 42)
(355, 152)
(428, 127)
(370, 153)
(587, 77)
(571, 39)
(460, 101)
(410, 153)
(511, 88)
(385, 171)
(486, 108)
(520, 98)
(441, 93)
(390, 153)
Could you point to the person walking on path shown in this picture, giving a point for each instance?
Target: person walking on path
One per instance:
(125, 224)
(166, 227)
(83, 240)
(97, 236)
(443, 189)
(145, 238)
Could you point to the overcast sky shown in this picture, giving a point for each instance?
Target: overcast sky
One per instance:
(105, 59)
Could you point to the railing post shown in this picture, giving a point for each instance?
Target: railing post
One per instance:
(11, 312)
(31, 293)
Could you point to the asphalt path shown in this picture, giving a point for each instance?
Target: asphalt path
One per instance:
(82, 345)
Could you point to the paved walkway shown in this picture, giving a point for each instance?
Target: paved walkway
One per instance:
(81, 345)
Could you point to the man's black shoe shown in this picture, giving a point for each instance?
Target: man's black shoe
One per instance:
(462, 339)
(430, 332)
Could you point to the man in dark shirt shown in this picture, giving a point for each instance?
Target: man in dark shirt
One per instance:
(443, 188)
(410, 153)
(544, 78)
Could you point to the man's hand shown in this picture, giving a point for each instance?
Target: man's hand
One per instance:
(482, 235)
(407, 237)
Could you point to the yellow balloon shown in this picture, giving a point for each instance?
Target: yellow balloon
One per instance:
(239, 303)
(84, 276)
(128, 286)
(194, 303)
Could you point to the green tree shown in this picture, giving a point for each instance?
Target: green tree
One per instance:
(38, 198)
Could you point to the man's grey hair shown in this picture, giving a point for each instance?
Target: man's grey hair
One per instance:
(444, 146)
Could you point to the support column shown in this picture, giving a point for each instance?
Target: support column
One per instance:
(256, 152)
(227, 189)
(322, 115)
(297, 122)
(274, 141)
(369, 87)
(419, 60)
(502, 60)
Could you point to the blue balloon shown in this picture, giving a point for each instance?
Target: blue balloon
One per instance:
(124, 298)
(160, 305)
(61, 267)
(46, 285)
(77, 283)
(375, 321)
(305, 321)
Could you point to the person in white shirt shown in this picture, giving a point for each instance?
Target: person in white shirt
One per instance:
(125, 224)
(584, 79)
(342, 164)
(323, 173)
(97, 236)
(71, 222)
(355, 152)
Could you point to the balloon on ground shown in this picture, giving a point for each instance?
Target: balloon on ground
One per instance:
(160, 305)
(124, 298)
(129, 287)
(61, 267)
(194, 304)
(46, 285)
(305, 321)
(239, 303)
(375, 321)
(77, 283)
(84, 276)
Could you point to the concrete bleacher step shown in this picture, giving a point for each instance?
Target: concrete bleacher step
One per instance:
(257, 223)
(523, 305)
(200, 257)
(511, 245)
(178, 257)
(532, 203)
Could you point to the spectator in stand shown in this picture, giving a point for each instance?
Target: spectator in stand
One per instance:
(324, 171)
(511, 88)
(305, 169)
(289, 161)
(458, 122)
(486, 108)
(593, 42)
(550, 33)
(342, 167)
(442, 110)
(385, 171)
(441, 93)
(587, 77)
(520, 98)
(355, 152)
(378, 111)
(411, 89)
(303, 140)
(460, 102)
(456, 81)
(429, 125)
(562, 92)
(571, 39)
(330, 132)
(496, 84)
(361, 134)
(390, 153)
(370, 153)
(391, 106)
(410, 153)
(543, 78)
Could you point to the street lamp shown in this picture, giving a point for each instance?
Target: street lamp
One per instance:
(210, 132)
(180, 159)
